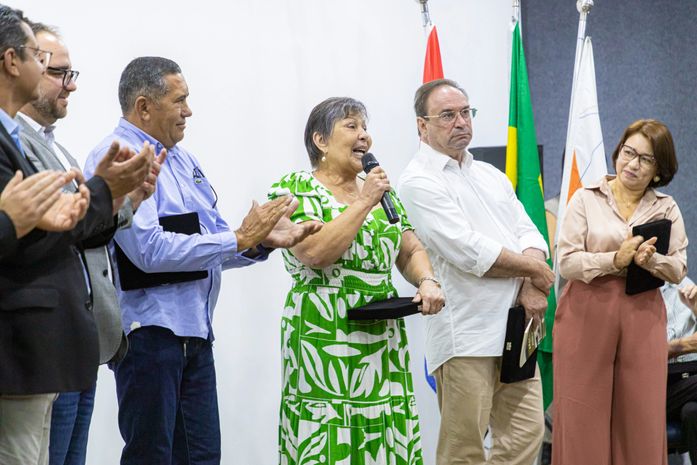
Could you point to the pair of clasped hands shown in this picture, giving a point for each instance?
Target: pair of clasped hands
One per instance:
(636, 249)
(40, 202)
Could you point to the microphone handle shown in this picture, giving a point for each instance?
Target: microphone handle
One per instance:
(388, 206)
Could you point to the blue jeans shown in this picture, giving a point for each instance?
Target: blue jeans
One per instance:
(70, 425)
(168, 403)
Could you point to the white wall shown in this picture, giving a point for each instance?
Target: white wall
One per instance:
(255, 69)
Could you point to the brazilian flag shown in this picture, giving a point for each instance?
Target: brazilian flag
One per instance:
(523, 169)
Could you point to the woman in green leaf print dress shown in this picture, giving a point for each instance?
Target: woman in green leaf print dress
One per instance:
(347, 390)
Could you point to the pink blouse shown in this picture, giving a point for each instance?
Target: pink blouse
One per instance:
(593, 230)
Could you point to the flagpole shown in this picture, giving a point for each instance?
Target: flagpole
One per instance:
(583, 7)
(425, 15)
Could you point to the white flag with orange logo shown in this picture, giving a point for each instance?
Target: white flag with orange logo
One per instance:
(584, 161)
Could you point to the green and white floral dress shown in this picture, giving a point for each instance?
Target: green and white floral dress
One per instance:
(348, 396)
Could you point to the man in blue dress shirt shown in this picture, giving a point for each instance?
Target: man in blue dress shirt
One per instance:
(166, 387)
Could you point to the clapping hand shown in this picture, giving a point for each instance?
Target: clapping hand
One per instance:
(145, 190)
(259, 222)
(645, 252)
(70, 208)
(628, 248)
(286, 234)
(27, 201)
(123, 170)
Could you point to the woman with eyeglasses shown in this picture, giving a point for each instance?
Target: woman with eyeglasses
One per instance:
(610, 350)
(347, 393)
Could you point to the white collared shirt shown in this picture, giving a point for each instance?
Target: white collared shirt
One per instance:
(464, 215)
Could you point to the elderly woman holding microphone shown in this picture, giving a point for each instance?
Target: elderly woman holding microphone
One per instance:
(347, 388)
(610, 348)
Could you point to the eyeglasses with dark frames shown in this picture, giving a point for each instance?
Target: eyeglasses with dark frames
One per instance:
(69, 75)
(629, 154)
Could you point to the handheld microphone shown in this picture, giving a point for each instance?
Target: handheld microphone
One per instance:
(369, 162)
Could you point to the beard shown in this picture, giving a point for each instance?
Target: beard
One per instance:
(49, 108)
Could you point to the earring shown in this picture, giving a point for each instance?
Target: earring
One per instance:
(324, 157)
(656, 178)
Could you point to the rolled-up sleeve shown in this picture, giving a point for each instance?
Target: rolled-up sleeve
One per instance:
(528, 234)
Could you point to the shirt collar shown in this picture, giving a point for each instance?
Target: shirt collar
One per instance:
(602, 185)
(34, 125)
(440, 160)
(126, 128)
(11, 126)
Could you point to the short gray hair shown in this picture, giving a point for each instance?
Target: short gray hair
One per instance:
(423, 92)
(322, 119)
(11, 33)
(145, 76)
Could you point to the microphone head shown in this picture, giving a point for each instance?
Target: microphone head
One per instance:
(369, 162)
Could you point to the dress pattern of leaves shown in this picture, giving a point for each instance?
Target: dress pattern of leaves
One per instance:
(348, 395)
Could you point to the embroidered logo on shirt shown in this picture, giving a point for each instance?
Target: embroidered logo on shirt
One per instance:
(198, 175)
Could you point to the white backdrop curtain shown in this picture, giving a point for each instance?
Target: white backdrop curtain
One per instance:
(254, 70)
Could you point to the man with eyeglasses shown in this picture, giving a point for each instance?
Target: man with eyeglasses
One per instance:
(488, 255)
(72, 411)
(48, 338)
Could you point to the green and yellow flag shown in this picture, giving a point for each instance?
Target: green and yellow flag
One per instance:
(523, 169)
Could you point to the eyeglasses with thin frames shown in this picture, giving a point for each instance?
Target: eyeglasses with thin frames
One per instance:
(43, 57)
(69, 75)
(449, 116)
(629, 154)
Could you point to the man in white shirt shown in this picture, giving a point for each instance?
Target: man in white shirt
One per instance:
(488, 255)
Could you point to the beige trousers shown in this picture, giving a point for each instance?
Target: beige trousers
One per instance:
(471, 398)
(25, 423)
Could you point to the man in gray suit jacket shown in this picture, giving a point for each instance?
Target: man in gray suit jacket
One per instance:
(72, 411)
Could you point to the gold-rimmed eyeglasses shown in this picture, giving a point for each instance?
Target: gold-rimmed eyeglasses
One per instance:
(449, 116)
(41, 56)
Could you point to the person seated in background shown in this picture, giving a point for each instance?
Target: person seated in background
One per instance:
(681, 402)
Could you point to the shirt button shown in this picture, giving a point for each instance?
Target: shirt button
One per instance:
(105, 273)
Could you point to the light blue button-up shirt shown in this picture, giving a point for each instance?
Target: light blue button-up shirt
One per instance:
(185, 308)
(12, 128)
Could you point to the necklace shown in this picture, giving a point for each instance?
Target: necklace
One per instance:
(619, 199)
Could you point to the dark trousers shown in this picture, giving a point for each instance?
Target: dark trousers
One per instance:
(681, 405)
(168, 404)
(70, 425)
